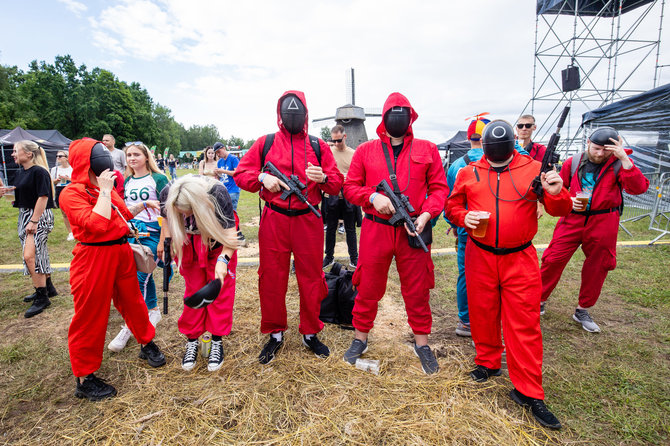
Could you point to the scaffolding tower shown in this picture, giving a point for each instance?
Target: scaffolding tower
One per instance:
(613, 45)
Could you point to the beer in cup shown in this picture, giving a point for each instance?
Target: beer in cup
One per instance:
(9, 193)
(583, 197)
(480, 230)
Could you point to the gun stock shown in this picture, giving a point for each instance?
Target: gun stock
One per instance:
(295, 186)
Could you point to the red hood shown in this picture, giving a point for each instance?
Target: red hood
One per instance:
(301, 97)
(517, 162)
(396, 100)
(80, 160)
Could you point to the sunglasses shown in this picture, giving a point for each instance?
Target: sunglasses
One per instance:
(337, 141)
(527, 125)
(61, 156)
(133, 143)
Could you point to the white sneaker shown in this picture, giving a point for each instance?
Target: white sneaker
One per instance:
(155, 316)
(121, 339)
(70, 237)
(215, 356)
(190, 356)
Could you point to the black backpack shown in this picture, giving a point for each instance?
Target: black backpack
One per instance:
(337, 306)
(270, 138)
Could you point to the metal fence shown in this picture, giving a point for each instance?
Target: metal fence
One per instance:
(637, 207)
(659, 218)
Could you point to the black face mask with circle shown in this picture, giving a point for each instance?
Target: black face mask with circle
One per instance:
(101, 159)
(396, 121)
(293, 114)
(498, 140)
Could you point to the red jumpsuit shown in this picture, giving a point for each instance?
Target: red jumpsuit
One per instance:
(98, 274)
(421, 177)
(536, 150)
(597, 234)
(505, 285)
(280, 235)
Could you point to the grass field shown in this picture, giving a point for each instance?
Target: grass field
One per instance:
(609, 388)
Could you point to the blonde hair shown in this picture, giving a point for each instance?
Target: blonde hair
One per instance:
(151, 162)
(39, 157)
(191, 193)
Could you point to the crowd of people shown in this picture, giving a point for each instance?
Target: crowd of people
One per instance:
(396, 182)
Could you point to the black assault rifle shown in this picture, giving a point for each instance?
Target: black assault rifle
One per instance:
(551, 158)
(167, 271)
(403, 209)
(295, 186)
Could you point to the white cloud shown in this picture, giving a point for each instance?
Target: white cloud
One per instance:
(74, 6)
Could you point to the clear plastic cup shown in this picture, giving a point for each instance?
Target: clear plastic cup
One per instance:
(368, 365)
(480, 230)
(583, 197)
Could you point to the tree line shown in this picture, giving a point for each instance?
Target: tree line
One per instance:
(78, 102)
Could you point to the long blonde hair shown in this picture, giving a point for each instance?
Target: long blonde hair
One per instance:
(39, 157)
(191, 193)
(151, 162)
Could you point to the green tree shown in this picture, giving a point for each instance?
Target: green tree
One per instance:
(234, 141)
(325, 133)
(15, 108)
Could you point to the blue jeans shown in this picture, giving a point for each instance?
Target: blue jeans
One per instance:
(173, 172)
(234, 197)
(461, 290)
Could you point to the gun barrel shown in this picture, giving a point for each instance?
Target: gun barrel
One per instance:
(562, 119)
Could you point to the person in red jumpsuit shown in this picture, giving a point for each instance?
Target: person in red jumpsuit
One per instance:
(103, 268)
(501, 268)
(417, 174)
(288, 225)
(604, 170)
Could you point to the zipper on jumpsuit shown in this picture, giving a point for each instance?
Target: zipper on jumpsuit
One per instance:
(497, 210)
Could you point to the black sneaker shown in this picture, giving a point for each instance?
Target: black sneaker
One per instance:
(539, 410)
(94, 389)
(215, 356)
(318, 347)
(427, 358)
(40, 303)
(152, 354)
(270, 350)
(480, 374)
(190, 355)
(328, 261)
(355, 351)
(353, 263)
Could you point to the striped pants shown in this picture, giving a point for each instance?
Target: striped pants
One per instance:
(44, 226)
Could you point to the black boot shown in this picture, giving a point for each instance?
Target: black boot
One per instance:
(51, 289)
(40, 303)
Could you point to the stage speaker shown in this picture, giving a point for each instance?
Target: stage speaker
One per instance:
(570, 77)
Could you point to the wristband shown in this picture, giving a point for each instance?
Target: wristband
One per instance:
(36, 222)
(372, 197)
(223, 258)
(262, 177)
(325, 179)
(144, 203)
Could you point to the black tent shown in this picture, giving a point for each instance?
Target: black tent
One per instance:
(644, 121)
(50, 140)
(454, 148)
(604, 8)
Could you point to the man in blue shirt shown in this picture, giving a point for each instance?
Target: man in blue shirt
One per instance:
(226, 169)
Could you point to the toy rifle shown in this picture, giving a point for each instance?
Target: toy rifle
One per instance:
(403, 209)
(167, 271)
(550, 158)
(295, 186)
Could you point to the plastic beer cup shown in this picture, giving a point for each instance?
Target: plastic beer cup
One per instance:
(480, 230)
(583, 198)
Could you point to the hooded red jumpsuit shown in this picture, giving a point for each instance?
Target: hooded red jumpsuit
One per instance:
(98, 274)
(280, 235)
(505, 286)
(597, 234)
(421, 178)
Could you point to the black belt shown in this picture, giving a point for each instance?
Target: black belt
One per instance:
(289, 212)
(378, 219)
(501, 251)
(596, 212)
(119, 241)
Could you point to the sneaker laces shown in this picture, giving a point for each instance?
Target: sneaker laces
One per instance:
(540, 408)
(583, 315)
(215, 352)
(191, 352)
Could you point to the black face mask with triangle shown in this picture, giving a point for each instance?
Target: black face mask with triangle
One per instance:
(293, 114)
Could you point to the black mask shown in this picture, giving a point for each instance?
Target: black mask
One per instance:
(205, 295)
(602, 135)
(498, 140)
(101, 159)
(396, 121)
(293, 114)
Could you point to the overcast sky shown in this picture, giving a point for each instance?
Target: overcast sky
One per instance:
(226, 63)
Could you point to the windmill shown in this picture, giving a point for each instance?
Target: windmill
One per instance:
(350, 116)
